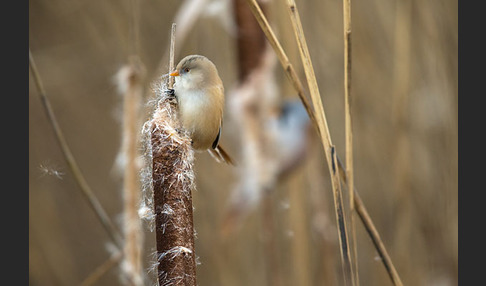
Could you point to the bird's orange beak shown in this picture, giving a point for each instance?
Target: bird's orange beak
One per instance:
(175, 73)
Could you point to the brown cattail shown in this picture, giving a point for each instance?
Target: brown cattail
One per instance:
(172, 183)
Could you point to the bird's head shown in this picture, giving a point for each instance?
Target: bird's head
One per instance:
(195, 72)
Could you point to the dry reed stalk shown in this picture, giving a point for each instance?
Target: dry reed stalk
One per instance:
(341, 222)
(78, 176)
(130, 80)
(290, 72)
(322, 223)
(172, 54)
(173, 183)
(326, 141)
(349, 131)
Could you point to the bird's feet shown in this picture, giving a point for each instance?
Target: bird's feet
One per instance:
(170, 92)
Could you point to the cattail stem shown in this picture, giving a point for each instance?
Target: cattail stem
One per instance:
(173, 182)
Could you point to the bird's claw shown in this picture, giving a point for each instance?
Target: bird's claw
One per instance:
(170, 92)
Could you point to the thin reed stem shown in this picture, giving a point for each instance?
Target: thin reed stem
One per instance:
(93, 201)
(349, 131)
(171, 54)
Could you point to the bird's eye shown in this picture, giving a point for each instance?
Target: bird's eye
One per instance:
(186, 70)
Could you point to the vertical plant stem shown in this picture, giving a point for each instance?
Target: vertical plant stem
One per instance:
(326, 141)
(130, 81)
(341, 221)
(349, 131)
(171, 54)
(131, 77)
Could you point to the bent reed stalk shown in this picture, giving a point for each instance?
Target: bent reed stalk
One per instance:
(86, 190)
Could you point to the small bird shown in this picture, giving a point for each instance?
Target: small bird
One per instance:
(200, 96)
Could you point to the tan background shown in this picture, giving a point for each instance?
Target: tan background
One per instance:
(405, 155)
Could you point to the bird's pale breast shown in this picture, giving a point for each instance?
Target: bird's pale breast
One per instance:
(200, 116)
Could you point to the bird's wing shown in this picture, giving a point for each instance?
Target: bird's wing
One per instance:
(216, 141)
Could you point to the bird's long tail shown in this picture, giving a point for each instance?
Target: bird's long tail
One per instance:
(221, 156)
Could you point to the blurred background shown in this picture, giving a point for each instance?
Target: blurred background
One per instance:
(271, 219)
